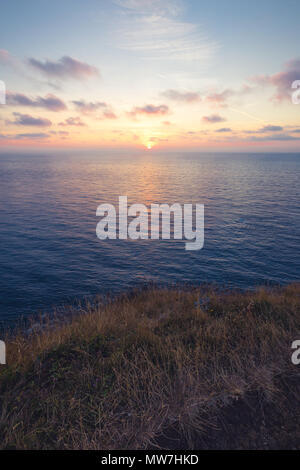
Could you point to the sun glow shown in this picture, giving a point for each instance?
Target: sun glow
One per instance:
(149, 146)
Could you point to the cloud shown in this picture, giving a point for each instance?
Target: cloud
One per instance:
(6, 58)
(35, 135)
(91, 107)
(271, 129)
(219, 99)
(27, 120)
(50, 102)
(108, 114)
(276, 137)
(171, 7)
(72, 121)
(224, 129)
(19, 67)
(266, 130)
(66, 67)
(154, 29)
(61, 133)
(214, 118)
(11, 61)
(281, 81)
(29, 135)
(158, 139)
(150, 110)
(182, 96)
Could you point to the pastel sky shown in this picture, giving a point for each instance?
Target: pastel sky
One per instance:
(160, 74)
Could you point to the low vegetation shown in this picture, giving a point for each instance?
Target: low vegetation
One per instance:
(176, 368)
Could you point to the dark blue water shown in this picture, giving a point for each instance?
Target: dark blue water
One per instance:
(50, 254)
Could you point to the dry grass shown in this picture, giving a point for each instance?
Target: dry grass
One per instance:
(163, 368)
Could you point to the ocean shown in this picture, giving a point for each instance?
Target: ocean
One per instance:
(50, 255)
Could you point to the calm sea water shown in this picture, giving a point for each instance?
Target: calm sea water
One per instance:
(50, 255)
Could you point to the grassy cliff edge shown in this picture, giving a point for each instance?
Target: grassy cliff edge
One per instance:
(172, 368)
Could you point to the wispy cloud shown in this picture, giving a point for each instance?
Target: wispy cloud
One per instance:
(66, 67)
(171, 7)
(182, 96)
(6, 58)
(60, 133)
(20, 68)
(272, 133)
(108, 114)
(34, 135)
(266, 130)
(50, 102)
(29, 135)
(219, 99)
(37, 136)
(274, 137)
(156, 31)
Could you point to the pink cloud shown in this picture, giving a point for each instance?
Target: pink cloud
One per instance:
(5, 57)
(150, 110)
(66, 67)
(219, 99)
(281, 81)
(108, 114)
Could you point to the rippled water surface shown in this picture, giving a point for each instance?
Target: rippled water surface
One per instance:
(50, 255)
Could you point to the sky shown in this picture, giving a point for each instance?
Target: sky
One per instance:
(150, 74)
